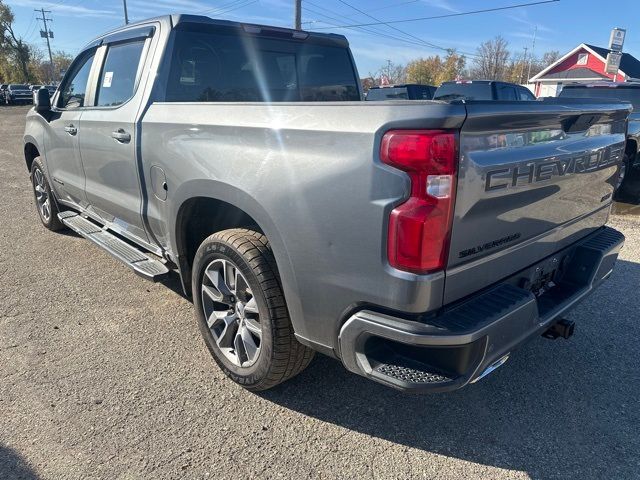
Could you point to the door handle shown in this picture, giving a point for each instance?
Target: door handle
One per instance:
(70, 129)
(121, 136)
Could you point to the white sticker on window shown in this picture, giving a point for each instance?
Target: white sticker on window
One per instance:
(108, 78)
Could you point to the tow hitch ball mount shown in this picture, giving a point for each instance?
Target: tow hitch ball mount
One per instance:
(562, 328)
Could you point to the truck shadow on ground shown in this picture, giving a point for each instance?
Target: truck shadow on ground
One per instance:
(557, 409)
(13, 466)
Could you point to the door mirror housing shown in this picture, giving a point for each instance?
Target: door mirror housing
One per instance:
(42, 100)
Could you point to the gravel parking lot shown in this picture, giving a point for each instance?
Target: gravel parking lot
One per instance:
(104, 375)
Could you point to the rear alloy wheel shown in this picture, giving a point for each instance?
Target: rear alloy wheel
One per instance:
(231, 312)
(242, 312)
(45, 203)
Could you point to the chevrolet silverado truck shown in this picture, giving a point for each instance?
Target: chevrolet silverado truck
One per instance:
(396, 236)
(629, 92)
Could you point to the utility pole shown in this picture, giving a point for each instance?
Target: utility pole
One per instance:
(126, 14)
(297, 14)
(46, 33)
(533, 47)
(524, 60)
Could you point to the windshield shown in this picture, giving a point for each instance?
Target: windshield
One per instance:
(391, 93)
(631, 95)
(214, 67)
(18, 87)
(464, 91)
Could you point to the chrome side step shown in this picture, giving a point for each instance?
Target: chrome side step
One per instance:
(141, 263)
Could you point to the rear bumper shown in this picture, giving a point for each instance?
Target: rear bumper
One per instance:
(469, 339)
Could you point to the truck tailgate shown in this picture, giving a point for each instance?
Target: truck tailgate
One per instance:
(533, 177)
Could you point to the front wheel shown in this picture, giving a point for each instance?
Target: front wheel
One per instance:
(45, 203)
(241, 310)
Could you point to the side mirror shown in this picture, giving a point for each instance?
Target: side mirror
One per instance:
(42, 100)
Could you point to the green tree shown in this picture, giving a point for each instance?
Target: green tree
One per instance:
(434, 70)
(15, 51)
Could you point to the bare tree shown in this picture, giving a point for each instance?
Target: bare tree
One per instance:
(394, 73)
(492, 60)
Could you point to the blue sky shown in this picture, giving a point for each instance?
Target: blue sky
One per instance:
(560, 26)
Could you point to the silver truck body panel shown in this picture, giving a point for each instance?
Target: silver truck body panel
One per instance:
(315, 205)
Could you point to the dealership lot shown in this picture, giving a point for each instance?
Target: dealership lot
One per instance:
(105, 375)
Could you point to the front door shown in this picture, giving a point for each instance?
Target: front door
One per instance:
(61, 143)
(108, 140)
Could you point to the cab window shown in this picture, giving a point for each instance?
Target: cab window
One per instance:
(118, 76)
(74, 89)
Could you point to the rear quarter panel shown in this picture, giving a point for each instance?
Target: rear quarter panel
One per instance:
(309, 174)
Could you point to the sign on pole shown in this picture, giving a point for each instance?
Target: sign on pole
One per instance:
(613, 62)
(616, 41)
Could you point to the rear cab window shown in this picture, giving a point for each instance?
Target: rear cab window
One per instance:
(388, 93)
(212, 66)
(506, 92)
(464, 91)
(525, 95)
(629, 94)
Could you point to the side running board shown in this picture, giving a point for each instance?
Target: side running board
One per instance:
(141, 263)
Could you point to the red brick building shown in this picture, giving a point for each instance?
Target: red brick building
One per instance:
(584, 64)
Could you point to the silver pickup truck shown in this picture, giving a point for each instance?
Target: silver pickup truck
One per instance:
(419, 242)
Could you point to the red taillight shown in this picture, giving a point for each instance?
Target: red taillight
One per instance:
(419, 229)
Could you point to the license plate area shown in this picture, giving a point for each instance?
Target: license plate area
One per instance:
(543, 276)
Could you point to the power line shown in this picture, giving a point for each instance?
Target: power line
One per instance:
(377, 32)
(363, 29)
(385, 7)
(448, 15)
(235, 5)
(432, 45)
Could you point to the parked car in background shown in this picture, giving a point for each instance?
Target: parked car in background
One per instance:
(407, 91)
(482, 90)
(628, 92)
(397, 236)
(3, 87)
(17, 93)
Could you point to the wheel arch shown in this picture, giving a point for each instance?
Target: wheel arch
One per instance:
(198, 213)
(31, 152)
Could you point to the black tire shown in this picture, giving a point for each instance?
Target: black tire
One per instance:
(622, 177)
(281, 356)
(51, 222)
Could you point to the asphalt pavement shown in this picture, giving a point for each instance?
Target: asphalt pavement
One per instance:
(104, 375)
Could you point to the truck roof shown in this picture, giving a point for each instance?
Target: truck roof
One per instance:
(401, 85)
(174, 20)
(604, 85)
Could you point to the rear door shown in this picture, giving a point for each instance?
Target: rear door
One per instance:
(108, 139)
(533, 177)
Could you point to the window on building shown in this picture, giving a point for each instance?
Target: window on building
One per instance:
(582, 58)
